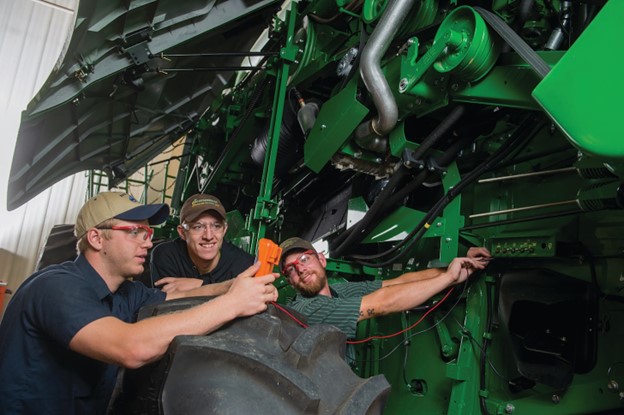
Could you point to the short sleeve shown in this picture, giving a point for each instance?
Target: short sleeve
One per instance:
(61, 309)
(340, 312)
(132, 296)
(360, 288)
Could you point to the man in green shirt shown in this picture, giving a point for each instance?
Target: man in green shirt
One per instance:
(345, 304)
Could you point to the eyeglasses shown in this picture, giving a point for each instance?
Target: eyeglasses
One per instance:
(135, 231)
(290, 269)
(199, 228)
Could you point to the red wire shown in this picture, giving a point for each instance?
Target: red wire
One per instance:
(302, 324)
(387, 336)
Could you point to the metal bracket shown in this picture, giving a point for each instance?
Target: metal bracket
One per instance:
(410, 161)
(432, 165)
(266, 209)
(135, 45)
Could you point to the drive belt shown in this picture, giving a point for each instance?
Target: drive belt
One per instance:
(525, 51)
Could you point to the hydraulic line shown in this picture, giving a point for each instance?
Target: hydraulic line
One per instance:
(211, 69)
(518, 139)
(525, 131)
(358, 231)
(214, 55)
(532, 174)
(442, 162)
(533, 156)
(446, 158)
(525, 219)
(441, 129)
(524, 208)
(485, 344)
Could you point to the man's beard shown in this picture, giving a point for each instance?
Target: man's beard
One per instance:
(312, 289)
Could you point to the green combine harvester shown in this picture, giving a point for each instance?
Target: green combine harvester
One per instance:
(395, 135)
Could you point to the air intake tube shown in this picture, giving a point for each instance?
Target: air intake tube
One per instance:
(368, 134)
(291, 139)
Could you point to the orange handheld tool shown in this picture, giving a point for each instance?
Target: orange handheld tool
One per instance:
(268, 255)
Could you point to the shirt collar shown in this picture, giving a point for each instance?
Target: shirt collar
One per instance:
(91, 275)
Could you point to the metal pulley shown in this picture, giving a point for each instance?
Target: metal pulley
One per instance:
(463, 46)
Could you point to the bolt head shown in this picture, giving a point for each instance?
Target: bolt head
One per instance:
(613, 386)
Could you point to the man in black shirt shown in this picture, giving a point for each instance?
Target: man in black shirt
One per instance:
(200, 256)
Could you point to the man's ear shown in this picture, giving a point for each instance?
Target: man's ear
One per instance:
(322, 259)
(181, 232)
(94, 238)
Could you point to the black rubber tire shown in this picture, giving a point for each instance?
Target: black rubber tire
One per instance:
(264, 364)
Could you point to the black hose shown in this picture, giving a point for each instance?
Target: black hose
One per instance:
(447, 123)
(526, 130)
(357, 232)
(444, 161)
(434, 211)
(446, 158)
(485, 344)
(428, 142)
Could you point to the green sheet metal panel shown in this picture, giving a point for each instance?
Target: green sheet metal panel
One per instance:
(583, 92)
(335, 123)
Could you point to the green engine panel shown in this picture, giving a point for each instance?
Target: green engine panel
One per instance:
(583, 92)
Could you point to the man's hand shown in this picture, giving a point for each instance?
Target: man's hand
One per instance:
(171, 284)
(480, 254)
(461, 268)
(251, 294)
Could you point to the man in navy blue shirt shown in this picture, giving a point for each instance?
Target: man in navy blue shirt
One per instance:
(69, 327)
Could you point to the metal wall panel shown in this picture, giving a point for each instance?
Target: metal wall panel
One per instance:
(32, 36)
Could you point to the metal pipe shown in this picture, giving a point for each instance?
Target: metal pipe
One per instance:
(522, 220)
(557, 37)
(210, 69)
(523, 175)
(213, 54)
(521, 209)
(371, 73)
